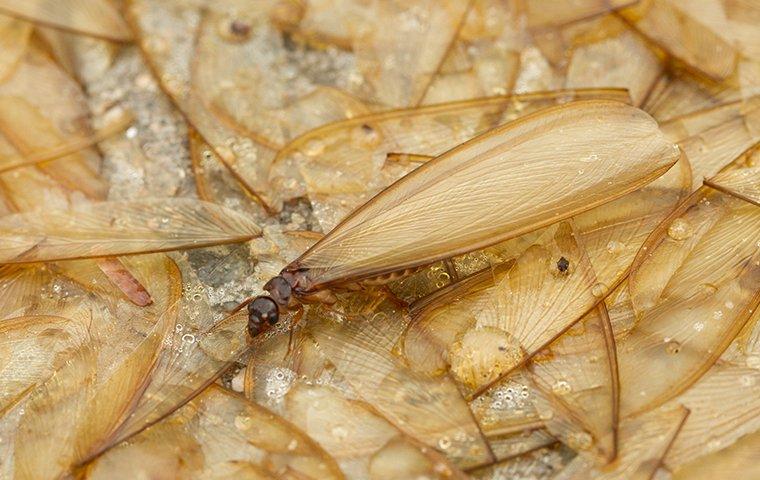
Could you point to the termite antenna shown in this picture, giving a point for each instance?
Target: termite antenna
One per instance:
(262, 311)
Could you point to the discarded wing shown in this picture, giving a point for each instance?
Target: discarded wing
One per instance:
(100, 230)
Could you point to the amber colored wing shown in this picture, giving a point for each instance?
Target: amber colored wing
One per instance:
(97, 18)
(514, 179)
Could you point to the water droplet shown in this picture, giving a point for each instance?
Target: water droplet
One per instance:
(680, 229)
(729, 305)
(708, 288)
(599, 289)
(699, 326)
(444, 443)
(580, 441)
(243, 422)
(672, 347)
(339, 432)
(615, 247)
(753, 361)
(561, 387)
(718, 314)
(546, 415)
(293, 445)
(314, 147)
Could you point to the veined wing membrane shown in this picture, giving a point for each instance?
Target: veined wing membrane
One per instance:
(119, 228)
(743, 183)
(514, 179)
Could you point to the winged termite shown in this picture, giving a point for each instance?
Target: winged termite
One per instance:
(645, 441)
(218, 435)
(355, 251)
(92, 17)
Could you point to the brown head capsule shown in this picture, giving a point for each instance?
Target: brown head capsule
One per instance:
(266, 309)
(261, 311)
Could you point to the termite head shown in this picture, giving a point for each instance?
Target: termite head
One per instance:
(265, 310)
(261, 311)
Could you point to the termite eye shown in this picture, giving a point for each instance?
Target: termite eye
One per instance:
(563, 264)
(260, 310)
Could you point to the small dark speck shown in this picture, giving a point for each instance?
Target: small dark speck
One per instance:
(563, 264)
(240, 28)
(502, 348)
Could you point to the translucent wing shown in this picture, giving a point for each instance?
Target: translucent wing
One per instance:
(484, 59)
(475, 195)
(712, 138)
(727, 393)
(14, 38)
(404, 45)
(680, 30)
(678, 93)
(63, 149)
(31, 349)
(692, 289)
(91, 17)
(157, 26)
(35, 117)
(737, 461)
(245, 83)
(305, 388)
(114, 228)
(545, 13)
(219, 435)
(344, 164)
(613, 233)
(22, 285)
(743, 183)
(430, 410)
(359, 439)
(485, 327)
(84, 402)
(644, 441)
(622, 60)
(578, 373)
